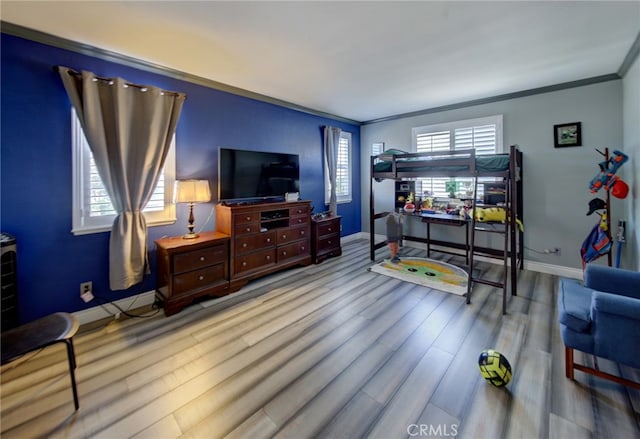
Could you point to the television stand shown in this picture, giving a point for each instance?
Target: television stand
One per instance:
(265, 237)
(251, 202)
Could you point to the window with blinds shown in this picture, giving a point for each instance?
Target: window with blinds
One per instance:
(343, 171)
(98, 201)
(377, 148)
(92, 208)
(484, 134)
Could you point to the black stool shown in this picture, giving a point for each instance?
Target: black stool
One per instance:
(55, 328)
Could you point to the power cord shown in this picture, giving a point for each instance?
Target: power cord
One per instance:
(122, 311)
(549, 251)
(204, 224)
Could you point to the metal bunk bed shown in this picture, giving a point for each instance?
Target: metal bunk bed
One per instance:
(463, 163)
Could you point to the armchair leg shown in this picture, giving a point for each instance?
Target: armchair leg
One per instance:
(568, 362)
(571, 367)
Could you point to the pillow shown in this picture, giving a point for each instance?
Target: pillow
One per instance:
(387, 155)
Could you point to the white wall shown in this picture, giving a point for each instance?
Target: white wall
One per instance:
(631, 136)
(556, 180)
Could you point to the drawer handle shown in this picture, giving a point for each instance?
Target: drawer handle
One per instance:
(302, 232)
(299, 210)
(330, 229)
(302, 247)
(268, 239)
(284, 253)
(201, 278)
(244, 245)
(202, 258)
(299, 221)
(329, 242)
(248, 218)
(268, 258)
(244, 264)
(248, 229)
(284, 236)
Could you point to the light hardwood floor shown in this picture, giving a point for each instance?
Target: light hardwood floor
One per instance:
(329, 350)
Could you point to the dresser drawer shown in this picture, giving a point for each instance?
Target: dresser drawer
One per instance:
(254, 260)
(293, 234)
(298, 220)
(299, 210)
(329, 227)
(246, 228)
(246, 244)
(248, 217)
(198, 258)
(328, 242)
(292, 250)
(198, 279)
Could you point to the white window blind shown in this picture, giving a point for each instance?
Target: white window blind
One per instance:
(343, 171)
(92, 208)
(484, 134)
(377, 148)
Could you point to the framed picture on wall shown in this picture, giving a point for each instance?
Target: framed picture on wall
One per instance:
(567, 134)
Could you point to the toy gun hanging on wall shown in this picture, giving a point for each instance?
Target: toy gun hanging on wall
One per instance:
(606, 177)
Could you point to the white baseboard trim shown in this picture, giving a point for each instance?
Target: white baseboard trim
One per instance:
(96, 313)
(354, 237)
(558, 270)
(540, 267)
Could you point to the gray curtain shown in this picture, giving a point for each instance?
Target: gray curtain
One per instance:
(129, 130)
(331, 142)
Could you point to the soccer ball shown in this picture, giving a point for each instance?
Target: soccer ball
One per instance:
(494, 367)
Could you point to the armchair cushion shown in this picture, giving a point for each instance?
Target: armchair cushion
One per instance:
(574, 305)
(621, 306)
(617, 327)
(612, 280)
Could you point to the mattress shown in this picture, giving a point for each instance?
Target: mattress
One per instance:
(484, 164)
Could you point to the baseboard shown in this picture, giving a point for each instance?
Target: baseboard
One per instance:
(558, 270)
(540, 267)
(98, 312)
(354, 237)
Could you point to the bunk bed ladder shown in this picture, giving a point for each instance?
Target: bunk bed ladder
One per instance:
(505, 231)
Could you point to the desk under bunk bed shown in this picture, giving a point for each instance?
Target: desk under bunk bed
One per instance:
(461, 163)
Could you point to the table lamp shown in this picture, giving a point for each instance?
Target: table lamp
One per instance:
(191, 191)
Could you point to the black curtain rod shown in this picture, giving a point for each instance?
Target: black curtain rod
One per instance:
(130, 84)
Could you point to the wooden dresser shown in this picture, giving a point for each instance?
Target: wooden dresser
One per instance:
(192, 268)
(325, 238)
(265, 237)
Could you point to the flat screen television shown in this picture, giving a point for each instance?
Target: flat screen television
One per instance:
(256, 175)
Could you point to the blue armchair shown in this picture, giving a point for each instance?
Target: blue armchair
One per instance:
(601, 317)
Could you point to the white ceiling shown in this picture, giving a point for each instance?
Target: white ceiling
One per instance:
(358, 60)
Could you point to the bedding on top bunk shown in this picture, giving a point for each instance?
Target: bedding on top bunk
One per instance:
(484, 163)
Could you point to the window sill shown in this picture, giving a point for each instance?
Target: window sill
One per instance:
(101, 229)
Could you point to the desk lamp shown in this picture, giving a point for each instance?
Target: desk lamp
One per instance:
(191, 191)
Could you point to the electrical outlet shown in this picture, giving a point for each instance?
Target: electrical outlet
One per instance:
(86, 291)
(552, 251)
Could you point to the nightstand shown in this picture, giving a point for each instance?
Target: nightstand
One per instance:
(325, 238)
(192, 268)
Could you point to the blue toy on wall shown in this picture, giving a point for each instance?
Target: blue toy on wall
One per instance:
(606, 177)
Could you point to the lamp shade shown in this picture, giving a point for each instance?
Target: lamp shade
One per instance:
(191, 191)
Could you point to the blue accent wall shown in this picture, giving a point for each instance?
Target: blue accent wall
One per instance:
(36, 171)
